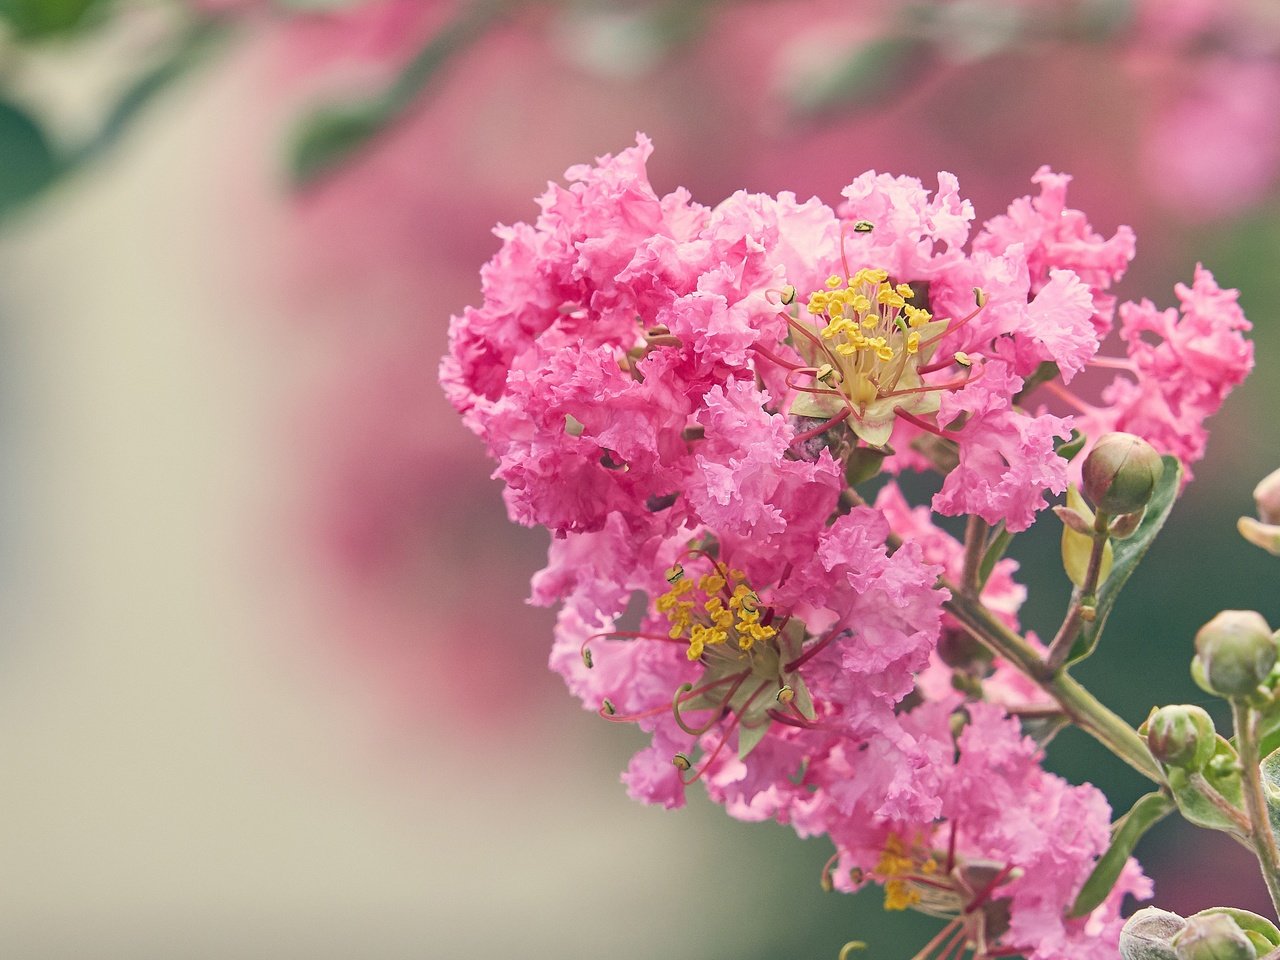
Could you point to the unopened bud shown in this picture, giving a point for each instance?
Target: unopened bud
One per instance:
(1149, 933)
(1125, 526)
(1267, 496)
(960, 651)
(1121, 473)
(1074, 520)
(1234, 653)
(1181, 735)
(1213, 936)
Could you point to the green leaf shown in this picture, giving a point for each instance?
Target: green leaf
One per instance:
(1077, 547)
(1223, 775)
(865, 77)
(28, 163)
(1128, 553)
(1125, 834)
(331, 134)
(328, 136)
(995, 550)
(42, 19)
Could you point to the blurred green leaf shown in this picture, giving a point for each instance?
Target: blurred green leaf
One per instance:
(329, 135)
(1125, 834)
(41, 19)
(866, 76)
(1128, 553)
(29, 162)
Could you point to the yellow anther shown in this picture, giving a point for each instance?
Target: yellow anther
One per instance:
(681, 762)
(785, 694)
(913, 342)
(917, 317)
(711, 583)
(979, 297)
(861, 303)
(905, 291)
(674, 573)
(788, 296)
(695, 649)
(827, 374)
(863, 226)
(834, 282)
(889, 298)
(963, 359)
(885, 352)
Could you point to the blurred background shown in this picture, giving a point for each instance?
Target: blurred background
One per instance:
(268, 686)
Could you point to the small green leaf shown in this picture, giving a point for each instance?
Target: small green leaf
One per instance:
(1069, 448)
(995, 550)
(1078, 547)
(865, 77)
(28, 163)
(1128, 553)
(1223, 775)
(1125, 834)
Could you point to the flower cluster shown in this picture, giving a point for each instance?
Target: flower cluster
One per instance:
(689, 398)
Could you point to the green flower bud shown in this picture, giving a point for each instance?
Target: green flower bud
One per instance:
(1234, 653)
(1149, 933)
(1121, 472)
(1213, 936)
(1181, 736)
(1267, 496)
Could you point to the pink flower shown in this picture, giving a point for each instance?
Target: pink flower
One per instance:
(1173, 385)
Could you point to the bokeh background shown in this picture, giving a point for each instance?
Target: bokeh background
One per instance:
(268, 686)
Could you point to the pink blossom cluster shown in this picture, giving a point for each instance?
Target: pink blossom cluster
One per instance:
(685, 396)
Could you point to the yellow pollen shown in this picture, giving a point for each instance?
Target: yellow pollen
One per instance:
(905, 291)
(833, 282)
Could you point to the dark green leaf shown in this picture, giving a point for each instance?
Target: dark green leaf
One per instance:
(1128, 553)
(1125, 834)
(28, 163)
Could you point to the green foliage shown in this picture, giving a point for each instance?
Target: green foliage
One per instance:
(44, 19)
(1125, 834)
(29, 161)
(865, 77)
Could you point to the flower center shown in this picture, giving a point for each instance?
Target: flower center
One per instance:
(720, 610)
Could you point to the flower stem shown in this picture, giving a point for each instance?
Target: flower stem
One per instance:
(1082, 707)
(1261, 837)
(975, 541)
(1084, 596)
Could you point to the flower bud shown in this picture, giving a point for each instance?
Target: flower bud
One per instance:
(1235, 652)
(1149, 933)
(1213, 936)
(1267, 496)
(1121, 472)
(1181, 736)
